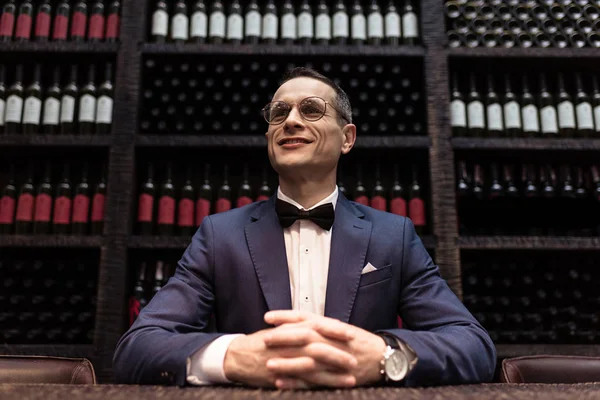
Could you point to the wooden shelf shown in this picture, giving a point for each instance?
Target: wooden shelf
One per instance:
(497, 52)
(466, 143)
(55, 140)
(59, 47)
(517, 350)
(529, 242)
(66, 241)
(57, 350)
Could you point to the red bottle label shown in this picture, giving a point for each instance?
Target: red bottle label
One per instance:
(43, 207)
(379, 203)
(62, 210)
(96, 27)
(98, 207)
(223, 205)
(25, 207)
(112, 26)
(399, 322)
(243, 201)
(42, 25)
(81, 208)
(23, 26)
(262, 197)
(186, 213)
(202, 210)
(364, 200)
(134, 309)
(145, 208)
(166, 210)
(7, 210)
(78, 25)
(7, 24)
(61, 23)
(416, 209)
(398, 206)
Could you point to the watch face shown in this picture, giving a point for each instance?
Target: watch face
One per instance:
(396, 366)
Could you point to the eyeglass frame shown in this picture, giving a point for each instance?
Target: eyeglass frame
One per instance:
(290, 107)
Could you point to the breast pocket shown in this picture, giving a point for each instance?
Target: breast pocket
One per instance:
(380, 275)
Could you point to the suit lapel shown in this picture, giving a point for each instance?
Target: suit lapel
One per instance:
(349, 243)
(264, 236)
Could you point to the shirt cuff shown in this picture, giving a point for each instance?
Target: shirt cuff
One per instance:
(205, 366)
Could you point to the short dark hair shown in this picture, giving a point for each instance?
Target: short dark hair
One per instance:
(341, 101)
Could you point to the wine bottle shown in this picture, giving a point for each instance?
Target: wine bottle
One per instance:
(341, 26)
(79, 21)
(478, 183)
(416, 204)
(512, 111)
(252, 21)
(475, 113)
(530, 188)
(245, 191)
(67, 104)
(596, 181)
(269, 23)
(288, 23)
(199, 22)
(180, 23)
(43, 204)
(265, 191)
(323, 23)
(205, 196)
(97, 217)
(217, 22)
(51, 116)
(104, 108)
(24, 21)
(25, 205)
(529, 112)
(549, 119)
(340, 181)
(96, 30)
(159, 273)
(595, 102)
(138, 300)
(580, 189)
(360, 192)
(566, 112)
(397, 195)
(113, 21)
(146, 204)
(358, 24)
(87, 104)
(378, 199)
(185, 207)
(374, 24)
(7, 21)
(235, 23)
(393, 25)
(8, 201)
(2, 97)
(583, 109)
(496, 189)
(463, 189)
(458, 110)
(14, 103)
(305, 23)
(160, 22)
(62, 204)
(61, 21)
(224, 194)
(81, 204)
(33, 104)
(166, 205)
(495, 126)
(410, 25)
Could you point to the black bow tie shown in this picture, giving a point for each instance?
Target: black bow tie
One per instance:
(289, 213)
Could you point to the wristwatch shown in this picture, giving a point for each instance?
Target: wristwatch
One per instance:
(398, 359)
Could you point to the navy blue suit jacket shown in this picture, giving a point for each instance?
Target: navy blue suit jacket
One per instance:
(236, 268)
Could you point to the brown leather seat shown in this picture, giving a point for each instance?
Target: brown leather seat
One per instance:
(551, 369)
(41, 369)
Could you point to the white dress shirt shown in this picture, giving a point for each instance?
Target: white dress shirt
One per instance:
(307, 247)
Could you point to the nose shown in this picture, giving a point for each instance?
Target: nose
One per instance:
(294, 120)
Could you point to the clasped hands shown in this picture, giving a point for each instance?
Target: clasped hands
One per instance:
(305, 350)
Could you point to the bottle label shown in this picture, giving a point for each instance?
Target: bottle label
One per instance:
(223, 205)
(584, 116)
(199, 26)
(43, 207)
(379, 203)
(7, 210)
(14, 108)
(96, 27)
(494, 117)
(410, 27)
(512, 115)
(202, 210)
(179, 27)
(392, 25)
(23, 26)
(160, 22)
(112, 26)
(166, 210)
(549, 122)
(235, 23)
(305, 25)
(566, 115)
(269, 26)
(104, 110)
(62, 210)
(51, 111)
(33, 110)
(364, 200)
(25, 207)
(341, 26)
(262, 197)
(252, 24)
(416, 211)
(398, 206)
(67, 109)
(359, 27)
(323, 27)
(87, 108)
(42, 25)
(217, 24)
(7, 23)
(186, 213)
(81, 208)
(2, 111)
(458, 114)
(596, 117)
(243, 201)
(145, 208)
(475, 114)
(98, 207)
(78, 25)
(375, 25)
(288, 26)
(530, 118)
(61, 22)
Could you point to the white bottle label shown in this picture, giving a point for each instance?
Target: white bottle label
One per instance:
(584, 116)
(512, 115)
(269, 26)
(596, 117)
(305, 25)
(323, 27)
(341, 26)
(67, 109)
(199, 26)
(87, 108)
(2, 111)
(235, 24)
(530, 118)
(549, 122)
(14, 109)
(475, 114)
(252, 24)
(104, 110)
(566, 115)
(179, 27)
(51, 111)
(409, 25)
(288, 26)
(216, 25)
(359, 27)
(160, 23)
(458, 114)
(494, 117)
(32, 111)
(375, 25)
(392, 25)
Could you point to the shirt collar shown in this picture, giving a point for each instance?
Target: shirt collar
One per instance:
(332, 198)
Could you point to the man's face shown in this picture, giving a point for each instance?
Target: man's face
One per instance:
(320, 142)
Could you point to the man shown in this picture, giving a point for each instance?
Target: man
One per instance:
(298, 300)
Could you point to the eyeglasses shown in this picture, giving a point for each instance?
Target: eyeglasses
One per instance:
(311, 109)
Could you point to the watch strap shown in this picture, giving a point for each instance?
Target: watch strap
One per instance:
(390, 340)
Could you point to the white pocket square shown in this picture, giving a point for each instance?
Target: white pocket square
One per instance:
(368, 268)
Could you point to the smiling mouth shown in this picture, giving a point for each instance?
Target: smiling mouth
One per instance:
(283, 142)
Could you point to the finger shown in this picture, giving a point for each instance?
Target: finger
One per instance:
(292, 366)
(315, 356)
(291, 383)
(279, 317)
(333, 328)
(331, 356)
(292, 335)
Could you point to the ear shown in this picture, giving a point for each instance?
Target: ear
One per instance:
(349, 137)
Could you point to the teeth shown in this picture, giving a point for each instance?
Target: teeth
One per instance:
(293, 141)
